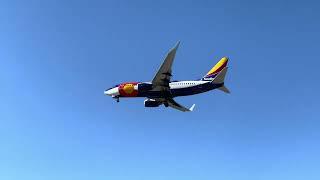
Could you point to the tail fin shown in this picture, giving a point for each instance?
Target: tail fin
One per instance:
(219, 79)
(216, 69)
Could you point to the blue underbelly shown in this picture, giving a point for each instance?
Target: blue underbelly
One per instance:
(194, 90)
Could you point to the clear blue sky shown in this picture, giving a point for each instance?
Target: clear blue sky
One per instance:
(57, 57)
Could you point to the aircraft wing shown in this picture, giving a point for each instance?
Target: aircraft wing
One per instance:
(172, 103)
(161, 80)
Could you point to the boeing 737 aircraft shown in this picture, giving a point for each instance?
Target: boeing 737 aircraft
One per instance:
(161, 90)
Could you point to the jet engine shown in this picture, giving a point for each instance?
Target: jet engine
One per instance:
(152, 103)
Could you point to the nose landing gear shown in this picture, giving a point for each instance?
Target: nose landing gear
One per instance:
(117, 98)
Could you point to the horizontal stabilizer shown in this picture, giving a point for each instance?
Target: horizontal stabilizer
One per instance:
(224, 89)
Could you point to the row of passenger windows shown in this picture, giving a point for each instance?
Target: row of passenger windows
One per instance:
(185, 83)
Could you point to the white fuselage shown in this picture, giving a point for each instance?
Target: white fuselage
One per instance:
(185, 84)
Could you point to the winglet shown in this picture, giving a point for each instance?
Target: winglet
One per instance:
(177, 45)
(192, 107)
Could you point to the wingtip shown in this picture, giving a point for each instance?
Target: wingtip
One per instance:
(192, 107)
(177, 45)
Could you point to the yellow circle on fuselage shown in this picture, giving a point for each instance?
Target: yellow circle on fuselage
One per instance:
(128, 88)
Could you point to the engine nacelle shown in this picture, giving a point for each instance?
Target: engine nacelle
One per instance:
(151, 103)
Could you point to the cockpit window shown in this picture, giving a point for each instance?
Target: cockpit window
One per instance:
(113, 87)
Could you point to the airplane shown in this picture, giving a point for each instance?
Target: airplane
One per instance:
(162, 91)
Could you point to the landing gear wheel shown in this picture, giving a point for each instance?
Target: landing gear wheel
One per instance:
(117, 98)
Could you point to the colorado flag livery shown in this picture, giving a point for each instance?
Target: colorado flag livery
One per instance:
(162, 91)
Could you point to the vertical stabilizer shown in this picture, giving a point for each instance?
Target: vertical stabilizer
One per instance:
(216, 69)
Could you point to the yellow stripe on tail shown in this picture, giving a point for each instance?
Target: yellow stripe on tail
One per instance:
(219, 66)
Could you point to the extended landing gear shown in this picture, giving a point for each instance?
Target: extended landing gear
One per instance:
(116, 98)
(166, 104)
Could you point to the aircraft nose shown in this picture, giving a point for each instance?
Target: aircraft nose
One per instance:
(112, 92)
(107, 92)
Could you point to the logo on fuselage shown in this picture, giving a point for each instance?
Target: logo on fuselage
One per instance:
(207, 79)
(127, 90)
